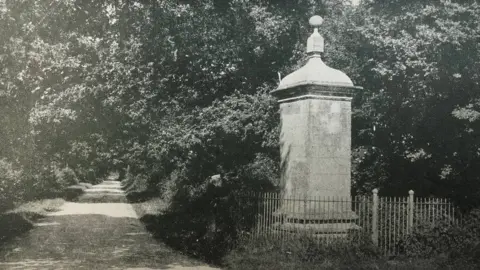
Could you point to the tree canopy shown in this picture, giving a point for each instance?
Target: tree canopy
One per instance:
(178, 91)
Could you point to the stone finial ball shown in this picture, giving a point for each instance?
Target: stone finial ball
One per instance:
(316, 21)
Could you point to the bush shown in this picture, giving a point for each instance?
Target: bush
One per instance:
(87, 175)
(206, 225)
(128, 179)
(456, 242)
(94, 177)
(168, 188)
(236, 138)
(139, 183)
(21, 218)
(66, 177)
(13, 224)
(72, 192)
(10, 182)
(86, 185)
(48, 181)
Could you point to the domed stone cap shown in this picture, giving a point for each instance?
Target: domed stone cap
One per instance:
(315, 73)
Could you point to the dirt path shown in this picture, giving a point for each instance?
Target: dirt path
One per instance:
(87, 235)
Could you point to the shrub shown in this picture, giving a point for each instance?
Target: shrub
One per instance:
(92, 177)
(128, 179)
(49, 181)
(20, 219)
(38, 208)
(205, 225)
(66, 177)
(87, 175)
(168, 188)
(42, 185)
(10, 181)
(13, 224)
(138, 183)
(457, 242)
(138, 189)
(72, 192)
(86, 185)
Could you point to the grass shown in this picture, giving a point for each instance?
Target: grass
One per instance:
(38, 208)
(20, 220)
(277, 260)
(154, 206)
(89, 242)
(91, 239)
(296, 254)
(101, 198)
(86, 185)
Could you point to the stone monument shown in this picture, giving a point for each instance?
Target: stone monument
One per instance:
(315, 142)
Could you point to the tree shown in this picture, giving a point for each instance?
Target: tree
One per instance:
(420, 69)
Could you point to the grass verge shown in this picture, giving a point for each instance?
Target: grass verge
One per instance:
(39, 207)
(101, 198)
(300, 254)
(154, 206)
(20, 219)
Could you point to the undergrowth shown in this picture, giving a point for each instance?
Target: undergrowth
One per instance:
(455, 244)
(303, 252)
(21, 218)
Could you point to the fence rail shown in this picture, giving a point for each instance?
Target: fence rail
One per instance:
(384, 220)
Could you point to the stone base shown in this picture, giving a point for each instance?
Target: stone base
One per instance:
(320, 224)
(330, 230)
(317, 217)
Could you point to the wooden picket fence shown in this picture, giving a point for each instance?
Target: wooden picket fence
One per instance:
(386, 220)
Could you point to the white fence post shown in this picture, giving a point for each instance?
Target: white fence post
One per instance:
(375, 217)
(410, 211)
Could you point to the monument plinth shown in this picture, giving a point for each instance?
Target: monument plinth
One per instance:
(315, 141)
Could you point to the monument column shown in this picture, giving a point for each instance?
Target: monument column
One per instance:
(315, 141)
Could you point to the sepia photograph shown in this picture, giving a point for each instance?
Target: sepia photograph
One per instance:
(239, 134)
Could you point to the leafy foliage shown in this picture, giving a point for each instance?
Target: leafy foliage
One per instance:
(177, 91)
(10, 179)
(419, 69)
(456, 242)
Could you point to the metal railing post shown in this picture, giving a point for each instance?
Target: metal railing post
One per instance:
(410, 211)
(375, 217)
